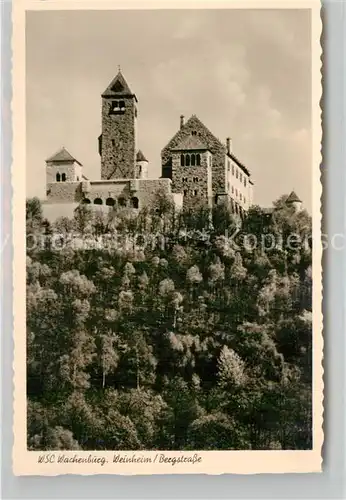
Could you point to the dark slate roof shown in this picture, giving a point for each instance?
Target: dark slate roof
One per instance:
(140, 156)
(118, 87)
(239, 163)
(62, 156)
(293, 198)
(190, 142)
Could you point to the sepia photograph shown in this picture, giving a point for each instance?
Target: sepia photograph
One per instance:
(169, 227)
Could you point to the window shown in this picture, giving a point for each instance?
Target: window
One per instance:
(244, 181)
(236, 208)
(98, 201)
(193, 160)
(135, 202)
(187, 160)
(63, 178)
(182, 160)
(57, 177)
(122, 202)
(117, 107)
(236, 174)
(110, 202)
(198, 159)
(228, 187)
(139, 169)
(113, 143)
(195, 192)
(193, 132)
(86, 201)
(229, 166)
(241, 177)
(244, 199)
(232, 169)
(184, 179)
(195, 179)
(185, 192)
(77, 178)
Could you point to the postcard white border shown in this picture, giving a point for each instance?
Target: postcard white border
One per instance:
(212, 462)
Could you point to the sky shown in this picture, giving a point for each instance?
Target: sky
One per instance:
(245, 73)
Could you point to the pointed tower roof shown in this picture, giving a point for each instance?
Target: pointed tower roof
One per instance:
(293, 198)
(140, 156)
(118, 87)
(62, 156)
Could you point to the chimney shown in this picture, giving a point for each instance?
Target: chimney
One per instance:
(181, 121)
(228, 143)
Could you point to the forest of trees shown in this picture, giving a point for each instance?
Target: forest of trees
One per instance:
(197, 340)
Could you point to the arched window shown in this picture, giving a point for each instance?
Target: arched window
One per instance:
(198, 159)
(187, 160)
(135, 202)
(185, 192)
(193, 160)
(63, 177)
(182, 161)
(98, 201)
(122, 202)
(110, 202)
(58, 177)
(86, 201)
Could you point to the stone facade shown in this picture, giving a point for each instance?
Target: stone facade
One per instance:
(217, 149)
(226, 180)
(194, 182)
(118, 139)
(64, 192)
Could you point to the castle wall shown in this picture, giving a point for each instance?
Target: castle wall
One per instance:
(217, 149)
(64, 192)
(118, 148)
(193, 182)
(238, 185)
(72, 170)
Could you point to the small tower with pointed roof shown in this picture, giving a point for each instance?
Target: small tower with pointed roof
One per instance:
(294, 201)
(141, 166)
(63, 167)
(117, 143)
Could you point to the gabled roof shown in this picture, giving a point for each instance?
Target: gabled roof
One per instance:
(196, 122)
(62, 156)
(118, 87)
(140, 156)
(293, 198)
(190, 142)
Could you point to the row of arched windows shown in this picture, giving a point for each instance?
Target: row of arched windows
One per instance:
(190, 159)
(111, 202)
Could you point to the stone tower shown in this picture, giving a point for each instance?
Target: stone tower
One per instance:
(117, 143)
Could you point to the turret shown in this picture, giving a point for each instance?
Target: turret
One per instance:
(141, 166)
(294, 201)
(63, 167)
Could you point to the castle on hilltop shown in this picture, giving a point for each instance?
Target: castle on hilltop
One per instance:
(197, 168)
